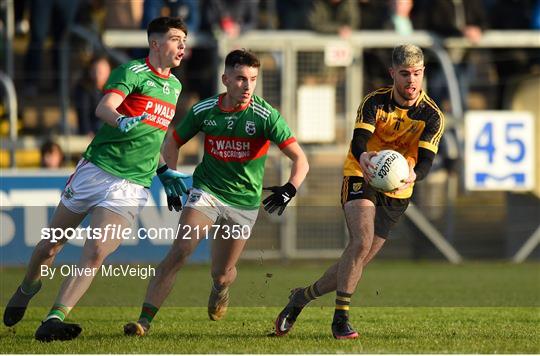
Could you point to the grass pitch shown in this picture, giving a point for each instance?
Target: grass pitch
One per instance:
(399, 307)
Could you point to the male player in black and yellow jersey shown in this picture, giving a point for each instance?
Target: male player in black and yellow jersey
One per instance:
(402, 118)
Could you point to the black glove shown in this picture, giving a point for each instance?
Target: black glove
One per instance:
(280, 198)
(174, 202)
(174, 186)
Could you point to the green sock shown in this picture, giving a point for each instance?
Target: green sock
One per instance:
(30, 287)
(148, 312)
(58, 311)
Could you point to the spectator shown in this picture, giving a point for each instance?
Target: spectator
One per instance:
(512, 14)
(52, 156)
(372, 14)
(334, 17)
(449, 18)
(188, 10)
(267, 15)
(44, 13)
(293, 14)
(232, 17)
(400, 16)
(21, 23)
(123, 14)
(512, 64)
(88, 93)
(91, 15)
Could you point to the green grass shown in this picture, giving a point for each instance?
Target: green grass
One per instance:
(400, 307)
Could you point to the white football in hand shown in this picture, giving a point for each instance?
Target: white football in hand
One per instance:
(391, 170)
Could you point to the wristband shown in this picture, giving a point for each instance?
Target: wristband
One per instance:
(162, 169)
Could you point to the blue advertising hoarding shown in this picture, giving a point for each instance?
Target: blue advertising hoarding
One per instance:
(27, 203)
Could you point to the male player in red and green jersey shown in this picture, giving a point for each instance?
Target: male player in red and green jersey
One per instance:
(111, 182)
(227, 184)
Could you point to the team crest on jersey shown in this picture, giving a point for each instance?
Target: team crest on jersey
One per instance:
(250, 127)
(166, 89)
(356, 186)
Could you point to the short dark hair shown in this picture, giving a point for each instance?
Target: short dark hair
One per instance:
(48, 147)
(242, 57)
(162, 25)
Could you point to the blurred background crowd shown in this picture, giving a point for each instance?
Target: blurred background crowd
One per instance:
(41, 25)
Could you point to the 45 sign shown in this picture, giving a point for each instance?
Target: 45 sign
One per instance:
(499, 150)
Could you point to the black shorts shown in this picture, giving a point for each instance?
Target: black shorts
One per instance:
(388, 210)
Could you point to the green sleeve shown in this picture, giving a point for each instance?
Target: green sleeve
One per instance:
(122, 79)
(277, 129)
(188, 127)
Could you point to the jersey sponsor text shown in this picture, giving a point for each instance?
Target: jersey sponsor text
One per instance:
(235, 148)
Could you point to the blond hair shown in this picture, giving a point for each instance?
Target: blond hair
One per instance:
(407, 55)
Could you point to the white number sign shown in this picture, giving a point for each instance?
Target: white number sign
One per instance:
(499, 150)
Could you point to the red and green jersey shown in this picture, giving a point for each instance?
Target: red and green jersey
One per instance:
(134, 155)
(235, 147)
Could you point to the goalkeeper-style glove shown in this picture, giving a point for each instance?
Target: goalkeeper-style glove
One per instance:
(173, 182)
(126, 123)
(280, 198)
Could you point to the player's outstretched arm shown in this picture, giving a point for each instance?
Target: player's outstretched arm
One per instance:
(106, 108)
(172, 180)
(300, 166)
(107, 111)
(282, 195)
(169, 150)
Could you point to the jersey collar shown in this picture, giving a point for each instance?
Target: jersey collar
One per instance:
(394, 103)
(222, 108)
(164, 76)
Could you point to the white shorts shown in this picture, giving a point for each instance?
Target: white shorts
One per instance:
(216, 210)
(90, 186)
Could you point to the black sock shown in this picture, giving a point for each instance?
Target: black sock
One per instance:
(306, 295)
(343, 301)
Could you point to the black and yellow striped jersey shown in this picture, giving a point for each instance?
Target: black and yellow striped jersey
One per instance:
(403, 129)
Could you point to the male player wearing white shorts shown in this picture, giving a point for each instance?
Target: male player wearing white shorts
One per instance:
(111, 182)
(238, 128)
